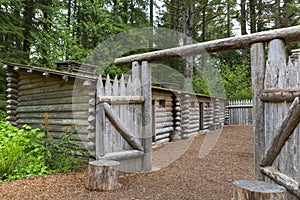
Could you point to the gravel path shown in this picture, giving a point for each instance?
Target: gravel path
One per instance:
(189, 169)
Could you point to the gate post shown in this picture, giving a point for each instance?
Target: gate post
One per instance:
(147, 115)
(258, 66)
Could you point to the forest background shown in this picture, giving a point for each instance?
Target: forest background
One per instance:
(41, 32)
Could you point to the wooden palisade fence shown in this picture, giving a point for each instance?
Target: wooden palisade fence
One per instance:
(276, 111)
(277, 114)
(123, 124)
(240, 111)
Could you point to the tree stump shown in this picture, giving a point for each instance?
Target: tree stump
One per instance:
(102, 175)
(257, 190)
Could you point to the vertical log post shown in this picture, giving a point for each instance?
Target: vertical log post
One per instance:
(258, 66)
(147, 115)
(102, 175)
(251, 190)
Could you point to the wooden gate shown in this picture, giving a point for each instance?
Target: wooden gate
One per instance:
(276, 114)
(123, 124)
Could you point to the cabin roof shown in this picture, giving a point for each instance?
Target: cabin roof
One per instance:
(61, 72)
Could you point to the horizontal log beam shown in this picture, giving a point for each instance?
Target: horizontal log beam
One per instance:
(122, 128)
(163, 130)
(282, 179)
(53, 108)
(162, 141)
(239, 106)
(280, 95)
(162, 136)
(287, 127)
(123, 155)
(289, 34)
(122, 99)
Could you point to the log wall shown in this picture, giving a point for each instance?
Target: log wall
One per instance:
(163, 116)
(51, 102)
(70, 101)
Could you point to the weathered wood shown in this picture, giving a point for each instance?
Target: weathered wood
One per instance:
(11, 107)
(54, 108)
(162, 141)
(280, 95)
(12, 102)
(132, 140)
(122, 155)
(12, 112)
(12, 85)
(67, 122)
(252, 190)
(282, 179)
(12, 80)
(226, 44)
(55, 101)
(162, 136)
(12, 90)
(240, 112)
(53, 95)
(121, 99)
(147, 120)
(12, 96)
(11, 118)
(46, 90)
(286, 129)
(102, 175)
(258, 66)
(54, 115)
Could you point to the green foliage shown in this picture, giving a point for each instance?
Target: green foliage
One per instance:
(2, 88)
(27, 152)
(21, 152)
(236, 75)
(61, 154)
(2, 116)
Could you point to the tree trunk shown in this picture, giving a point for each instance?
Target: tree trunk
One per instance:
(259, 16)
(27, 23)
(252, 16)
(277, 13)
(102, 175)
(151, 5)
(248, 190)
(188, 26)
(243, 25)
(228, 18)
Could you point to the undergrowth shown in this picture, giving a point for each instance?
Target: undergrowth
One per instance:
(28, 152)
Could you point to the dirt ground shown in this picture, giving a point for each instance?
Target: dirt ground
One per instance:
(187, 169)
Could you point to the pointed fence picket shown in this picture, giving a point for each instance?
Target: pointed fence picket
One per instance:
(119, 126)
(240, 111)
(122, 119)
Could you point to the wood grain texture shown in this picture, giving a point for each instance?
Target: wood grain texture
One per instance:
(281, 136)
(102, 175)
(244, 41)
(248, 190)
(258, 66)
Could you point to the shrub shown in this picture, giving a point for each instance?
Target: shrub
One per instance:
(20, 151)
(28, 152)
(62, 154)
(2, 116)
